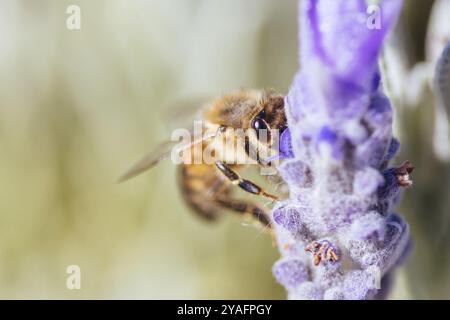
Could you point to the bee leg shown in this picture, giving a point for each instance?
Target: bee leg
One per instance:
(245, 208)
(245, 185)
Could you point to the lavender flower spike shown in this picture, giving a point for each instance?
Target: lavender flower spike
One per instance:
(342, 190)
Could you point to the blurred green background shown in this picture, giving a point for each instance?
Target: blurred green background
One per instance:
(77, 107)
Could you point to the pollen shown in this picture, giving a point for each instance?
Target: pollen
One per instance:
(322, 251)
(403, 174)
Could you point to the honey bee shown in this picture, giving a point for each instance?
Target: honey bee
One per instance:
(207, 187)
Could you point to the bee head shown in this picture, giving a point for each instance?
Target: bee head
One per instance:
(270, 120)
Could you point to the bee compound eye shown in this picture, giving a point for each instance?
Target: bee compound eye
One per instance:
(259, 124)
(262, 129)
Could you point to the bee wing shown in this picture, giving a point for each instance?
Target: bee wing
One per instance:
(184, 111)
(157, 155)
(162, 152)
